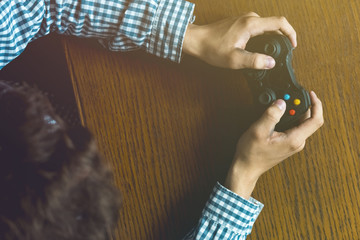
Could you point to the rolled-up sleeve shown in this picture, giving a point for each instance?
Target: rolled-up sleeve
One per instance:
(155, 26)
(226, 216)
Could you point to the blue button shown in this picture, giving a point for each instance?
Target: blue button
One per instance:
(286, 97)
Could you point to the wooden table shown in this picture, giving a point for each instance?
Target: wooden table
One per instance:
(169, 130)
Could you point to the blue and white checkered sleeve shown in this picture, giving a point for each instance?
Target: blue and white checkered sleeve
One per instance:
(226, 216)
(169, 27)
(19, 22)
(156, 26)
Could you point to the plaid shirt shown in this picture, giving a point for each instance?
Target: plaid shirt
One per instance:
(156, 26)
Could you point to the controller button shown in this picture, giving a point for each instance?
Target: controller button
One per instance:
(286, 97)
(297, 102)
(292, 112)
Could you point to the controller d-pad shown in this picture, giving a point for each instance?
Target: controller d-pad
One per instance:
(256, 74)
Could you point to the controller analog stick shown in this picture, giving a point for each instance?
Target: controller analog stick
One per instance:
(267, 97)
(272, 48)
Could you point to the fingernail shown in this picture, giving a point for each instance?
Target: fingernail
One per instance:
(280, 104)
(270, 62)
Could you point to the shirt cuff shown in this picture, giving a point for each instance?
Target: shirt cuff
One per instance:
(169, 27)
(232, 211)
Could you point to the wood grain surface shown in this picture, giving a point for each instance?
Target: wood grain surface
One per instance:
(169, 130)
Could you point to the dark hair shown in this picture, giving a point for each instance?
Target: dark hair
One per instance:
(53, 184)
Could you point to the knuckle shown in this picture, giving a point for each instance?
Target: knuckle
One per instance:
(256, 61)
(248, 22)
(302, 146)
(283, 20)
(320, 122)
(233, 62)
(256, 134)
(272, 114)
(296, 145)
(251, 14)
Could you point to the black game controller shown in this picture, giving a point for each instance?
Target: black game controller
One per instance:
(279, 82)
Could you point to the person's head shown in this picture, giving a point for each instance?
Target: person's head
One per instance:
(53, 184)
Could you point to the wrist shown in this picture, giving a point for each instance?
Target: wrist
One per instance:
(241, 180)
(193, 41)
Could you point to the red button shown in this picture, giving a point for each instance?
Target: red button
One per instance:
(292, 112)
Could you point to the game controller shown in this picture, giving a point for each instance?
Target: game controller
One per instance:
(278, 82)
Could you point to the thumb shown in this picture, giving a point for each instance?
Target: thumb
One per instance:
(256, 60)
(272, 115)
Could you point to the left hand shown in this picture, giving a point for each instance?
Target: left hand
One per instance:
(223, 43)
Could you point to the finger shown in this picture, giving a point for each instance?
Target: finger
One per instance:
(271, 24)
(266, 124)
(247, 59)
(305, 116)
(310, 125)
(278, 32)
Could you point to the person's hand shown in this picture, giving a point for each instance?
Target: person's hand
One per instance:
(222, 43)
(261, 148)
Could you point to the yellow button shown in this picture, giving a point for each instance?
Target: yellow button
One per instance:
(297, 102)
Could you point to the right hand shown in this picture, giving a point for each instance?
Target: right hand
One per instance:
(261, 148)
